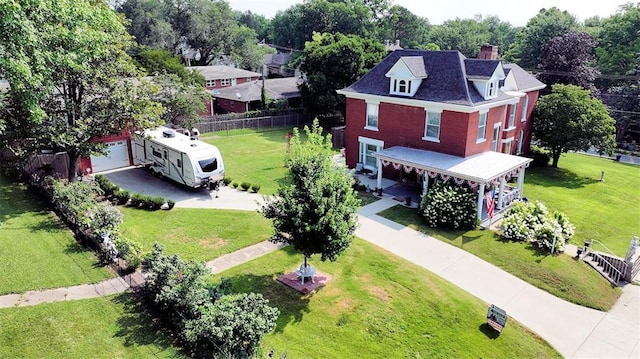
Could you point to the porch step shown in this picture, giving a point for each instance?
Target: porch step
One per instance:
(604, 271)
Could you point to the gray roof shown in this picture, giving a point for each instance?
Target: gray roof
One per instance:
(415, 64)
(277, 59)
(448, 80)
(480, 69)
(218, 72)
(252, 91)
(525, 80)
(482, 167)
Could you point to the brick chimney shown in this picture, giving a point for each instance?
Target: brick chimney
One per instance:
(488, 52)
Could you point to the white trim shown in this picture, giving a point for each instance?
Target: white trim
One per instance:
(525, 108)
(426, 125)
(370, 128)
(431, 139)
(484, 134)
(440, 106)
(496, 137)
(371, 141)
(507, 142)
(375, 107)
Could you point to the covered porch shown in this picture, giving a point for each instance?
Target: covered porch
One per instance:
(482, 172)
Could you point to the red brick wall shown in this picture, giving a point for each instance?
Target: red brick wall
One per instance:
(231, 105)
(404, 126)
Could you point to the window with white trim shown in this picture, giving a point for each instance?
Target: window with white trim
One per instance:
(520, 139)
(372, 116)
(368, 147)
(491, 89)
(225, 82)
(525, 108)
(432, 126)
(210, 83)
(495, 140)
(512, 116)
(482, 128)
(401, 87)
(507, 145)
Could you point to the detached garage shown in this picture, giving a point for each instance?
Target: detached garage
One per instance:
(118, 155)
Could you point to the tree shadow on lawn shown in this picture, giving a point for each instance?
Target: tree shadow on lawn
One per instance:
(136, 326)
(291, 303)
(560, 177)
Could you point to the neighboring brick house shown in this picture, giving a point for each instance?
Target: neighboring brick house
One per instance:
(219, 77)
(422, 115)
(277, 64)
(248, 96)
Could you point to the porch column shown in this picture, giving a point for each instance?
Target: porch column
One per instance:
(379, 178)
(521, 181)
(501, 193)
(425, 183)
(480, 199)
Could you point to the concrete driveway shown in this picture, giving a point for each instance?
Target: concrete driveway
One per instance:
(138, 179)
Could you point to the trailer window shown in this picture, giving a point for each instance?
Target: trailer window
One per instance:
(179, 162)
(156, 153)
(209, 164)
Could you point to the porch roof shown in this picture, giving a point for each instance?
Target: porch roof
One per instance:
(482, 168)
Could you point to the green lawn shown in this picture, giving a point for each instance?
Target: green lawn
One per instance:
(253, 156)
(559, 275)
(378, 305)
(108, 327)
(608, 211)
(195, 234)
(36, 250)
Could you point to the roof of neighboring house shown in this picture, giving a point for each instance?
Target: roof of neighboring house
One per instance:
(252, 91)
(277, 59)
(218, 72)
(449, 78)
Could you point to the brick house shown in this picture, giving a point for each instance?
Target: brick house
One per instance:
(422, 116)
(218, 77)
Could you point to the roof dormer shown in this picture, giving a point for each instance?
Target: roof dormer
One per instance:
(406, 75)
(485, 75)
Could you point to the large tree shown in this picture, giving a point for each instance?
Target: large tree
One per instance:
(315, 211)
(334, 61)
(571, 119)
(619, 40)
(401, 24)
(71, 78)
(296, 25)
(465, 36)
(547, 24)
(569, 59)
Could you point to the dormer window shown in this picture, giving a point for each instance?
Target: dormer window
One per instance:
(491, 90)
(406, 75)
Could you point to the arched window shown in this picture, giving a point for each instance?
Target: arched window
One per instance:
(403, 86)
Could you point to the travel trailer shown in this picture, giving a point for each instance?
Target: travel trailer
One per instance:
(179, 157)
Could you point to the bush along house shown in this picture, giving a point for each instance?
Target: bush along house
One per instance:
(425, 116)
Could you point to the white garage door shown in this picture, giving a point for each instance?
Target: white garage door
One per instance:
(118, 156)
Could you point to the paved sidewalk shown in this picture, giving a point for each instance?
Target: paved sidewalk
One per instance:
(83, 291)
(575, 331)
(122, 284)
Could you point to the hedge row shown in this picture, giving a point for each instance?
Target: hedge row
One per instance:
(244, 186)
(124, 197)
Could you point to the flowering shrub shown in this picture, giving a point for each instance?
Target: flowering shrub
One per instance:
(449, 206)
(103, 217)
(532, 222)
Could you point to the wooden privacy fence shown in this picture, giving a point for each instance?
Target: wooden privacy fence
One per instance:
(294, 119)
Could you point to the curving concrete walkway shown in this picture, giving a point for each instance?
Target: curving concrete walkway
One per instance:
(575, 331)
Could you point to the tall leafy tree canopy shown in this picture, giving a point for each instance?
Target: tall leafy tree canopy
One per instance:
(619, 40)
(571, 119)
(332, 62)
(547, 24)
(569, 59)
(401, 24)
(209, 26)
(465, 36)
(296, 25)
(71, 77)
(316, 210)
